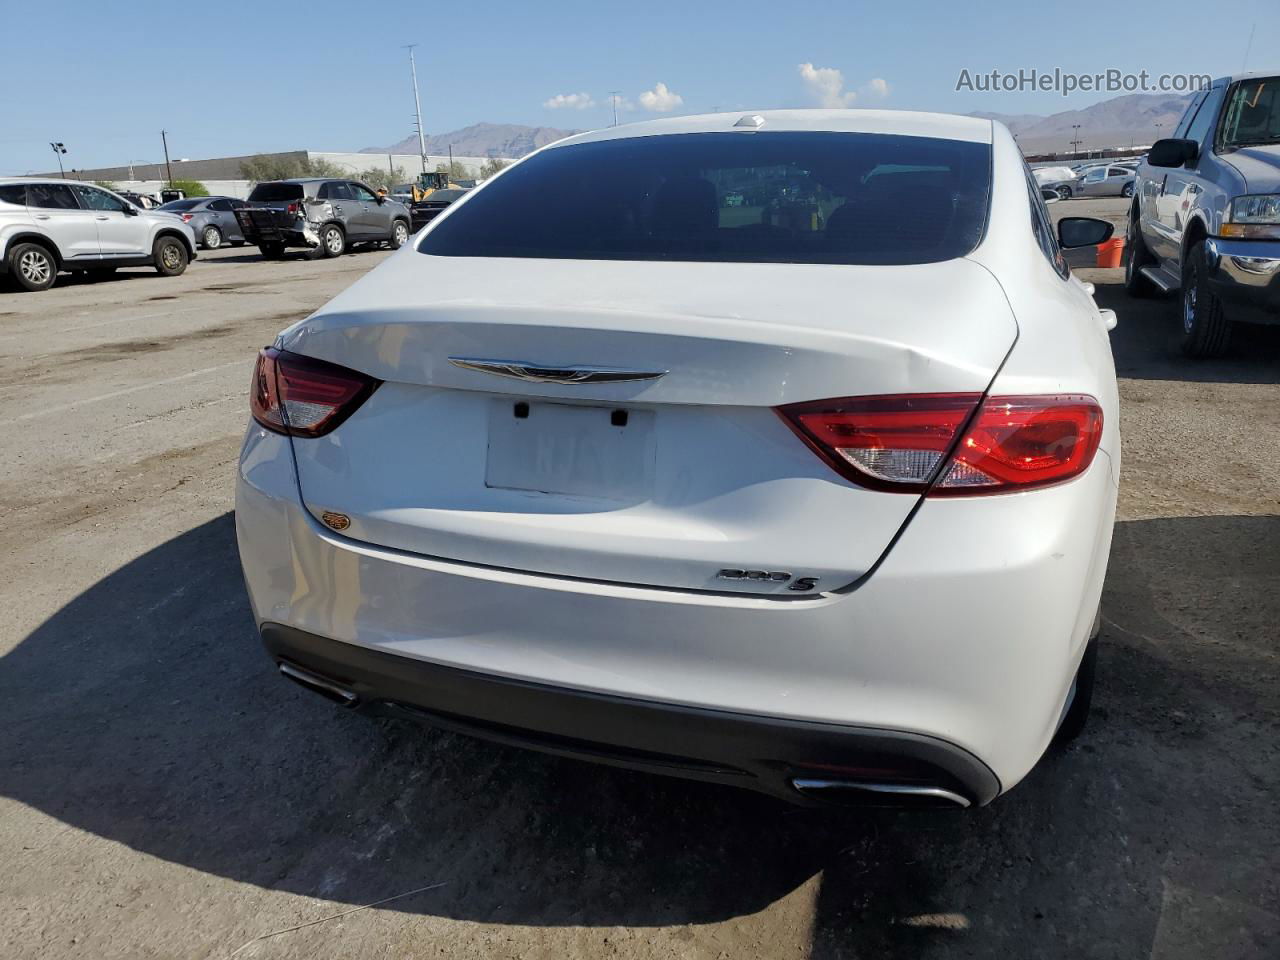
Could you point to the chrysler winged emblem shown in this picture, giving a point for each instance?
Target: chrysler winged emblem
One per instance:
(519, 370)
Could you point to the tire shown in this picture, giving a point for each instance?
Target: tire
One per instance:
(271, 251)
(211, 238)
(1126, 191)
(399, 235)
(1077, 715)
(1136, 256)
(333, 242)
(1206, 332)
(170, 257)
(1064, 192)
(32, 267)
(238, 243)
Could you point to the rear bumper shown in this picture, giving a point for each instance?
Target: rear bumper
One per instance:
(1245, 274)
(965, 639)
(759, 753)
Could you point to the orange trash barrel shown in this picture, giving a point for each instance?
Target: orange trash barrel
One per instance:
(1110, 252)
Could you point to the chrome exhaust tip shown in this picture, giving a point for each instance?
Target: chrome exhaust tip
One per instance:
(321, 685)
(896, 794)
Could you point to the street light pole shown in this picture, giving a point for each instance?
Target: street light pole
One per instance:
(613, 99)
(58, 150)
(168, 169)
(417, 107)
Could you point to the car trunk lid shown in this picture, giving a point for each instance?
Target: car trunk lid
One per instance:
(486, 445)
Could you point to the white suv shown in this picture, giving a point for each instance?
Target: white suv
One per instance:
(52, 225)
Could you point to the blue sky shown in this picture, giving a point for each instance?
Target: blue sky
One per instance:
(231, 77)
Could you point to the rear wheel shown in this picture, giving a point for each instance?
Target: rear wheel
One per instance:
(1126, 190)
(333, 242)
(1206, 332)
(32, 266)
(1064, 192)
(1136, 256)
(211, 238)
(399, 235)
(1077, 715)
(170, 257)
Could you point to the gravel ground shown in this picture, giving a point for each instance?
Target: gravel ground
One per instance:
(163, 794)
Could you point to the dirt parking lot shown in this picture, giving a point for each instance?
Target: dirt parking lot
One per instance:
(164, 794)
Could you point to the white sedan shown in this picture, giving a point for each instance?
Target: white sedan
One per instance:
(776, 450)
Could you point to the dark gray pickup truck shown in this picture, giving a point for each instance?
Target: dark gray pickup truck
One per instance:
(1205, 219)
(321, 214)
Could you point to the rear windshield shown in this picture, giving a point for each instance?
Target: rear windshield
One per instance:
(785, 197)
(277, 191)
(180, 204)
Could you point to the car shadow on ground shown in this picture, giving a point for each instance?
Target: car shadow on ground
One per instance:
(1145, 341)
(145, 713)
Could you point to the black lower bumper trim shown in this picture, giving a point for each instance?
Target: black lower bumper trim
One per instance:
(760, 753)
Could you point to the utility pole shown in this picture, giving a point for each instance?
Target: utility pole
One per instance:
(168, 169)
(450, 161)
(59, 148)
(613, 99)
(417, 107)
(1075, 139)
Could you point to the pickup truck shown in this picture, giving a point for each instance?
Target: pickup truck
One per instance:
(1205, 217)
(321, 214)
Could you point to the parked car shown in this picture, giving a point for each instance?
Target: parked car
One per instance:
(1205, 218)
(212, 219)
(570, 477)
(1106, 180)
(430, 207)
(1063, 189)
(324, 215)
(47, 226)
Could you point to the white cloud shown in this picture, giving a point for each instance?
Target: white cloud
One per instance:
(569, 101)
(660, 99)
(878, 87)
(826, 86)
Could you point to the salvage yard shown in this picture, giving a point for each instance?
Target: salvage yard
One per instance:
(164, 794)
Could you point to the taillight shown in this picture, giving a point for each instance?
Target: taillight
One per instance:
(914, 443)
(303, 397)
(186, 217)
(292, 208)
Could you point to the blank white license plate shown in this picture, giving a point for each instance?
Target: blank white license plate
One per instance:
(601, 452)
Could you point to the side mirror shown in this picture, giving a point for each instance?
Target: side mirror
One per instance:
(130, 210)
(1083, 232)
(1173, 152)
(381, 199)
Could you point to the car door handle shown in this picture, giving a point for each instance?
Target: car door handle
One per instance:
(42, 216)
(102, 218)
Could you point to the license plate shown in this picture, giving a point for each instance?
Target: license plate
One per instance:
(600, 452)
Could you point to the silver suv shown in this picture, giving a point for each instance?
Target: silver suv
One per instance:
(326, 215)
(47, 226)
(1205, 218)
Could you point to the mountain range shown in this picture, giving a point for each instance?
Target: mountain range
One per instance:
(1132, 119)
(509, 140)
(1136, 118)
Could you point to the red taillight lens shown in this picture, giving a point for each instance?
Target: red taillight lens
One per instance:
(292, 208)
(304, 397)
(186, 217)
(900, 443)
